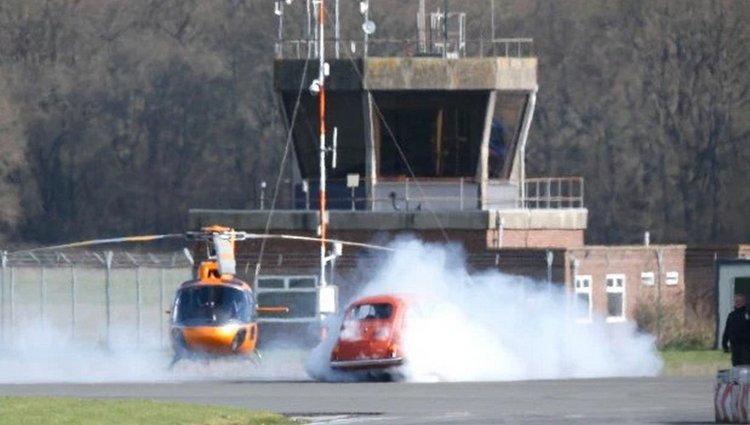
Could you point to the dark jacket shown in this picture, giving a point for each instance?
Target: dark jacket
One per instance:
(737, 329)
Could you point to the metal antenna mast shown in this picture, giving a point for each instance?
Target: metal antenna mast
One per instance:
(322, 153)
(327, 294)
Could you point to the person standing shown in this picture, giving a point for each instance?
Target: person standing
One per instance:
(737, 332)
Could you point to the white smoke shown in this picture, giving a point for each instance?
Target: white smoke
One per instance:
(488, 326)
(39, 353)
(492, 326)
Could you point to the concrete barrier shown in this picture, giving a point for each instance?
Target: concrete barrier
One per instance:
(732, 395)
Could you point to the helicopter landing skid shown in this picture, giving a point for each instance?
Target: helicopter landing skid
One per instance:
(256, 358)
(174, 361)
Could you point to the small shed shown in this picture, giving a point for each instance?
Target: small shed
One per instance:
(732, 277)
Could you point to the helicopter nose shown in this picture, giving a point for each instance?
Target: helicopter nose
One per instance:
(210, 338)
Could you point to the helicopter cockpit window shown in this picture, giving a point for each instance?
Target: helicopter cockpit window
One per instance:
(213, 304)
(371, 311)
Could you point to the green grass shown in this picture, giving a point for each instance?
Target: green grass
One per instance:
(694, 362)
(64, 411)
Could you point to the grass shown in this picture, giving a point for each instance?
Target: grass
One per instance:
(694, 362)
(64, 411)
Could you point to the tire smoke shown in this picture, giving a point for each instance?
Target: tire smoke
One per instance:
(492, 326)
(42, 354)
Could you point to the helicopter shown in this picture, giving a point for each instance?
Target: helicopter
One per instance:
(216, 313)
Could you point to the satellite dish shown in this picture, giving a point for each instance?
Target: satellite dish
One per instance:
(368, 27)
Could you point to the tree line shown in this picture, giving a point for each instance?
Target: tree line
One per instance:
(116, 117)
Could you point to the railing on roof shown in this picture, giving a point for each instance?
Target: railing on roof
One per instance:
(353, 49)
(444, 194)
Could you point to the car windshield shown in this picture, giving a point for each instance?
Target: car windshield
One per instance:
(213, 305)
(370, 311)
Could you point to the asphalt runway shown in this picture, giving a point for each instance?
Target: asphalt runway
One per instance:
(661, 400)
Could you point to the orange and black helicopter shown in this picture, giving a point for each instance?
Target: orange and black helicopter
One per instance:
(215, 313)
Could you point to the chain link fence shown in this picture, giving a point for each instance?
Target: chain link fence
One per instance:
(94, 297)
(115, 299)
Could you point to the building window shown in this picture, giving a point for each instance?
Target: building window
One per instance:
(582, 300)
(672, 278)
(648, 278)
(615, 298)
(298, 293)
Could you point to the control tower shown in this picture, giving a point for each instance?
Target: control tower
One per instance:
(430, 133)
(426, 136)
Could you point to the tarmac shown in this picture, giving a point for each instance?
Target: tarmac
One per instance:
(659, 400)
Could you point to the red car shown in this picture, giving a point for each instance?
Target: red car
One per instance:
(369, 339)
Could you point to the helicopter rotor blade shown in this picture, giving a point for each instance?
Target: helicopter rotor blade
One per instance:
(312, 239)
(140, 238)
(207, 236)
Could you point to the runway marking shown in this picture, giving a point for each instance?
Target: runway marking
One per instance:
(341, 419)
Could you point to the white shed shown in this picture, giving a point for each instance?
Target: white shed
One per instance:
(732, 277)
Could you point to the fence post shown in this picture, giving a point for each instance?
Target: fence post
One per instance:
(72, 294)
(3, 264)
(138, 303)
(12, 300)
(138, 298)
(161, 307)
(43, 296)
(42, 288)
(107, 295)
(73, 283)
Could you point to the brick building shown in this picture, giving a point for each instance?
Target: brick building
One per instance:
(645, 284)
